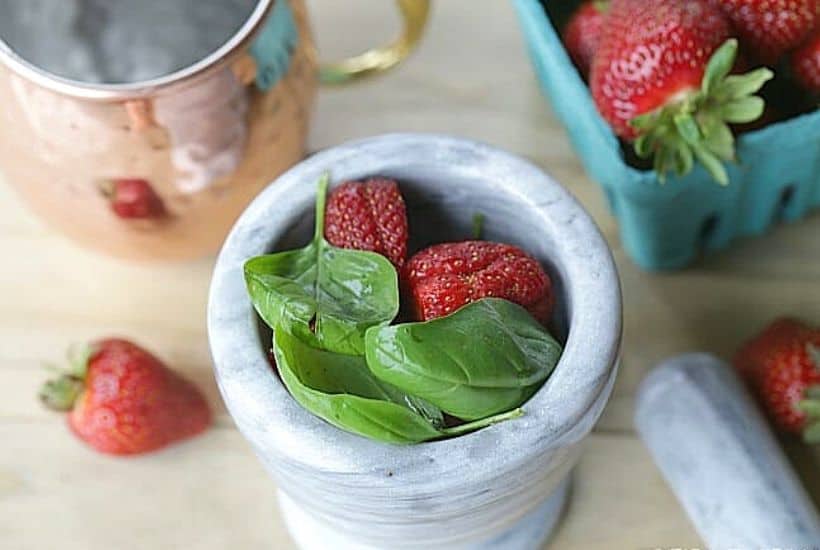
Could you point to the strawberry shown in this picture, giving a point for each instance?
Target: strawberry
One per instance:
(661, 78)
(582, 32)
(805, 63)
(782, 365)
(370, 216)
(123, 400)
(770, 28)
(132, 198)
(444, 277)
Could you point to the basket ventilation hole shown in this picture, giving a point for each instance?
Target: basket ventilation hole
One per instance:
(707, 230)
(785, 201)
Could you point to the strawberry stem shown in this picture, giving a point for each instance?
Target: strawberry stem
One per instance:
(814, 354)
(78, 356)
(61, 393)
(811, 433)
(810, 406)
(106, 188)
(478, 226)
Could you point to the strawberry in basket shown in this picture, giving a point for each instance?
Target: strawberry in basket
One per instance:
(583, 32)
(770, 28)
(661, 79)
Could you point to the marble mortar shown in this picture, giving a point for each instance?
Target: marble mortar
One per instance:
(501, 487)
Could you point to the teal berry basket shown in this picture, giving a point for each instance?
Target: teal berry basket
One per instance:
(666, 226)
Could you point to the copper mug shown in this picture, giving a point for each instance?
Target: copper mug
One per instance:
(159, 168)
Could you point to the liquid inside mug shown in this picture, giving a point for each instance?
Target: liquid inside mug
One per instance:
(142, 129)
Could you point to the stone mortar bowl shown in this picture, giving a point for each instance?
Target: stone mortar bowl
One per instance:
(501, 487)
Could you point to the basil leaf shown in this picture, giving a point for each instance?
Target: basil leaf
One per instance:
(340, 389)
(326, 296)
(487, 357)
(337, 373)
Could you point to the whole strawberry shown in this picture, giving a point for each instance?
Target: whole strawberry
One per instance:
(370, 216)
(583, 31)
(782, 365)
(805, 63)
(132, 198)
(122, 400)
(661, 78)
(444, 277)
(770, 28)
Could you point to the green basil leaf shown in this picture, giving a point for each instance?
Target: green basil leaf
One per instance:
(487, 357)
(339, 389)
(325, 295)
(338, 373)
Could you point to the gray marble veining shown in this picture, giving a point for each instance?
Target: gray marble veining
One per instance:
(463, 492)
(718, 454)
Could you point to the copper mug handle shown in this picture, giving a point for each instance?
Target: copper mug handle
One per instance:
(414, 14)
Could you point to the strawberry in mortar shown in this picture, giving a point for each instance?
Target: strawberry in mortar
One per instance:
(368, 215)
(371, 215)
(444, 277)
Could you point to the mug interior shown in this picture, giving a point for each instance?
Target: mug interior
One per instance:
(119, 41)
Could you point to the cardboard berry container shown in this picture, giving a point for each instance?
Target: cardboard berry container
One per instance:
(666, 226)
(499, 488)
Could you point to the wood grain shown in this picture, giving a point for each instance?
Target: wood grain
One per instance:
(471, 78)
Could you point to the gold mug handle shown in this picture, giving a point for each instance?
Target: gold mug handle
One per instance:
(414, 14)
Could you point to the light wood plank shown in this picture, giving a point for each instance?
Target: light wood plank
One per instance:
(211, 493)
(470, 77)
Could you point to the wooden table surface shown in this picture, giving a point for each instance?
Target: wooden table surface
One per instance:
(469, 78)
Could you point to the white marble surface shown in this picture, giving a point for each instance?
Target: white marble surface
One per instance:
(714, 448)
(470, 77)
